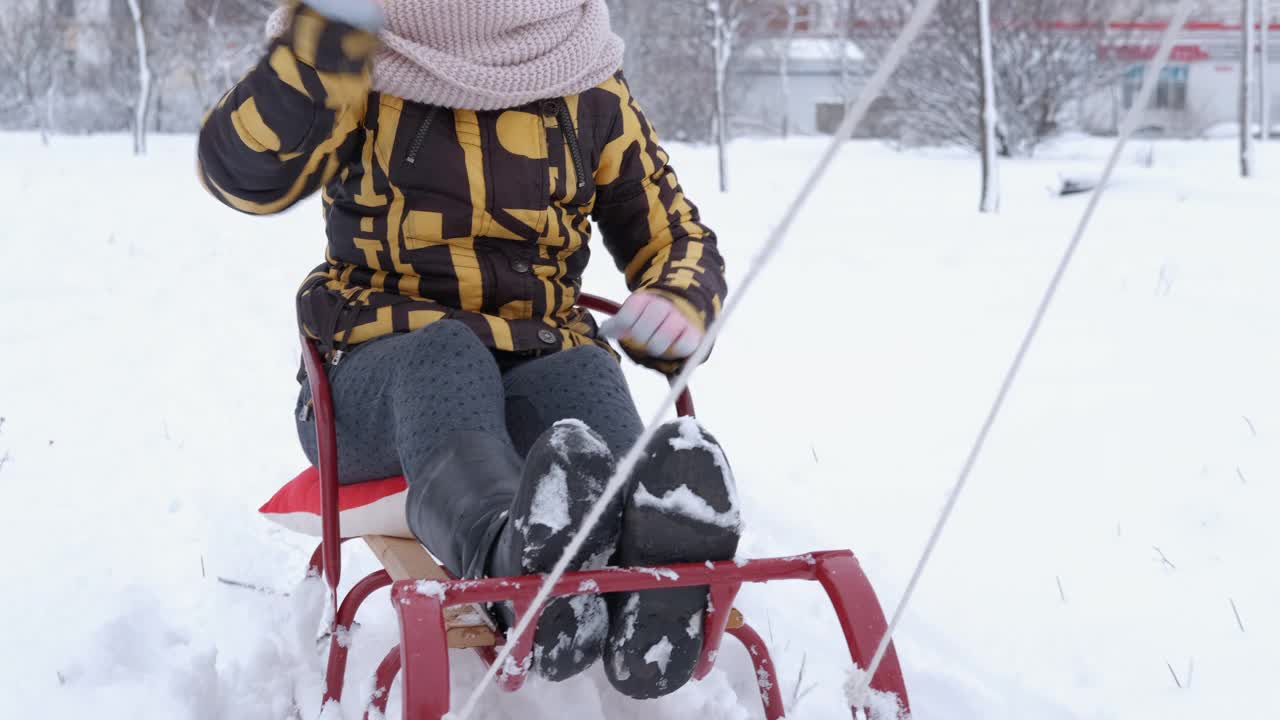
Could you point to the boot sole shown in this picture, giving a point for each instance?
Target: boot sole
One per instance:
(655, 637)
(575, 465)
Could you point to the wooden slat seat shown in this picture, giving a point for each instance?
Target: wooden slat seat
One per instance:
(469, 626)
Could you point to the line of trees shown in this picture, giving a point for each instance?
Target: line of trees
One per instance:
(1045, 59)
(108, 65)
(96, 65)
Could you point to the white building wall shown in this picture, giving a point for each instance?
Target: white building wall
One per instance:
(761, 103)
(1214, 94)
(817, 83)
(1213, 88)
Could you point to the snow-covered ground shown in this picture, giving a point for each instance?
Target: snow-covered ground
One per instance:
(1125, 504)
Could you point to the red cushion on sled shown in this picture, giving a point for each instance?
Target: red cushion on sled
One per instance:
(367, 508)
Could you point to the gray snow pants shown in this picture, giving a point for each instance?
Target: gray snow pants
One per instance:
(396, 397)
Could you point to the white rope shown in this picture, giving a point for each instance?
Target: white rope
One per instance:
(1132, 119)
(920, 15)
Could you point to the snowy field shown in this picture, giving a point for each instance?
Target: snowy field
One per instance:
(1114, 559)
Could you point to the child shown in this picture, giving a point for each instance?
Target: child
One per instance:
(463, 148)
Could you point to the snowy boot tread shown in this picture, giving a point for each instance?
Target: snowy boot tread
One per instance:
(564, 474)
(683, 508)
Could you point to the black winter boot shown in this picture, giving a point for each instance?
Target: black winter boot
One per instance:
(486, 516)
(458, 501)
(683, 508)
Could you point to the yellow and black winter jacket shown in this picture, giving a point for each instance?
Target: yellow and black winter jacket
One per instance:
(482, 217)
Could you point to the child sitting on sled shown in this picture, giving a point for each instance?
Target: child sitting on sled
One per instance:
(463, 149)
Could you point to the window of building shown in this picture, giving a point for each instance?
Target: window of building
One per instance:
(828, 116)
(1171, 91)
(807, 17)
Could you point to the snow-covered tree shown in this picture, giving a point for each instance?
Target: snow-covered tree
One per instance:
(789, 14)
(1247, 50)
(845, 16)
(989, 117)
(725, 22)
(142, 107)
(1264, 70)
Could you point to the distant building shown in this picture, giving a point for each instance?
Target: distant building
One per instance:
(804, 94)
(807, 93)
(794, 72)
(1198, 90)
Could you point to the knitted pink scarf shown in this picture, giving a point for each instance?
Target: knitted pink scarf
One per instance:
(490, 54)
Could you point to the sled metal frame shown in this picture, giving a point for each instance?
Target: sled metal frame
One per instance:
(428, 631)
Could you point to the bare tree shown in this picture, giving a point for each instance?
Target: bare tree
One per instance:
(31, 51)
(789, 13)
(1264, 70)
(724, 22)
(680, 55)
(990, 202)
(1246, 87)
(1047, 58)
(142, 108)
(669, 64)
(215, 41)
(1047, 54)
(844, 19)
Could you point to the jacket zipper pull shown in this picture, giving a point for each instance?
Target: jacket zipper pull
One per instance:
(421, 137)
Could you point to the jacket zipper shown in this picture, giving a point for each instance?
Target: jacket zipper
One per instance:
(344, 322)
(571, 137)
(421, 137)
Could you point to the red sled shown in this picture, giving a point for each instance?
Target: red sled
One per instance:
(438, 613)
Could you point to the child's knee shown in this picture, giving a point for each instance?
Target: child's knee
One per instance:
(448, 347)
(448, 339)
(588, 361)
(446, 333)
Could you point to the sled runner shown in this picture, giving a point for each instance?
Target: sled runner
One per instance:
(438, 613)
